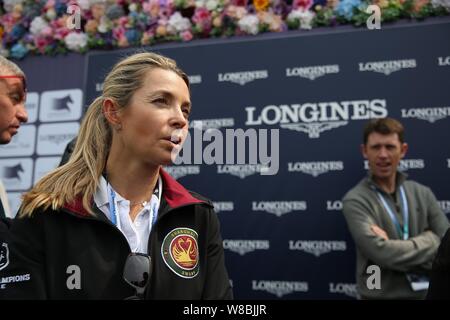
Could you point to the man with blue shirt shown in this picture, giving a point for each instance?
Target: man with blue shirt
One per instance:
(396, 223)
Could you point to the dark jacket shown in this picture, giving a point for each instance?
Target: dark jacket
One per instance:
(440, 274)
(185, 247)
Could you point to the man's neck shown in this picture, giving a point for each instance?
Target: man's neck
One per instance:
(386, 184)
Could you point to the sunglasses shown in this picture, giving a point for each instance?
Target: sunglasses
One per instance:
(137, 273)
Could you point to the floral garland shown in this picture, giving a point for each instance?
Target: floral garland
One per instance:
(47, 27)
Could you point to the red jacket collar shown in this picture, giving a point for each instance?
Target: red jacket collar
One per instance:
(173, 192)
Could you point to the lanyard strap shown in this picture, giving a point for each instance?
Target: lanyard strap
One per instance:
(394, 219)
(154, 203)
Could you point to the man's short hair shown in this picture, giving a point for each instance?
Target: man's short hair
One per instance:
(383, 126)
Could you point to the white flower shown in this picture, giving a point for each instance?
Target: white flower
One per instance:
(249, 24)
(9, 4)
(133, 7)
(84, 4)
(200, 3)
(442, 3)
(212, 4)
(105, 25)
(37, 25)
(76, 41)
(178, 23)
(51, 14)
(304, 16)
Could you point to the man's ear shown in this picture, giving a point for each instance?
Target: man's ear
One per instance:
(111, 112)
(403, 149)
(363, 150)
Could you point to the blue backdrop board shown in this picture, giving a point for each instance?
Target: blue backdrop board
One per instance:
(284, 234)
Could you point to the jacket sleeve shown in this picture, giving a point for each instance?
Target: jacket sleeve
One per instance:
(217, 285)
(400, 255)
(24, 276)
(440, 274)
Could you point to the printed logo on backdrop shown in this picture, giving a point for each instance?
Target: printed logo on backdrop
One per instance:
(223, 206)
(244, 77)
(61, 105)
(53, 138)
(348, 289)
(195, 79)
(16, 173)
(448, 163)
(315, 118)
(315, 168)
(242, 170)
(205, 124)
(32, 105)
(279, 208)
(335, 205)
(178, 172)
(444, 61)
(99, 87)
(317, 248)
(387, 67)
(42, 166)
(245, 246)
(14, 200)
(280, 288)
(405, 164)
(445, 206)
(312, 72)
(22, 144)
(428, 114)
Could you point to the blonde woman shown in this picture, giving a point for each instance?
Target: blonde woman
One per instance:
(79, 224)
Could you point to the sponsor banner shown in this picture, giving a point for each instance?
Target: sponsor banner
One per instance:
(44, 165)
(16, 173)
(315, 168)
(348, 289)
(279, 208)
(445, 206)
(32, 106)
(243, 247)
(387, 67)
(334, 205)
(244, 77)
(315, 118)
(53, 138)
(428, 114)
(405, 164)
(22, 144)
(205, 124)
(280, 288)
(312, 72)
(195, 79)
(178, 172)
(444, 61)
(242, 170)
(223, 206)
(317, 248)
(61, 105)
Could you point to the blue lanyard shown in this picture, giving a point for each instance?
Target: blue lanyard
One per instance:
(154, 205)
(394, 218)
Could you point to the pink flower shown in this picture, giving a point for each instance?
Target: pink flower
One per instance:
(202, 17)
(47, 31)
(241, 3)
(40, 43)
(186, 35)
(302, 4)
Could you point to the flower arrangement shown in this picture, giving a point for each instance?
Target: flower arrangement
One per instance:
(58, 26)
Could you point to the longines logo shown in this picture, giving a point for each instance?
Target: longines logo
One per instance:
(387, 67)
(245, 246)
(99, 87)
(315, 168)
(429, 114)
(444, 61)
(334, 205)
(212, 123)
(243, 77)
(279, 288)
(195, 79)
(445, 206)
(312, 72)
(181, 171)
(348, 289)
(221, 206)
(317, 248)
(448, 163)
(241, 170)
(315, 118)
(405, 164)
(279, 208)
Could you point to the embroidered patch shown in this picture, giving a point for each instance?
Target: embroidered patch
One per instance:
(180, 252)
(4, 256)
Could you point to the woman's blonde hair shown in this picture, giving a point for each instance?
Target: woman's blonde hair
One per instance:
(80, 176)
